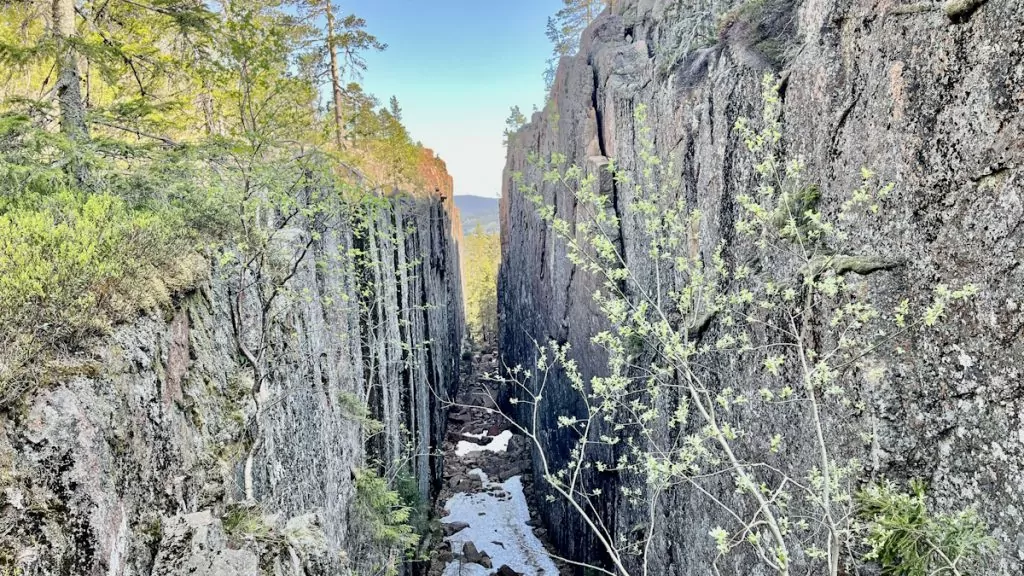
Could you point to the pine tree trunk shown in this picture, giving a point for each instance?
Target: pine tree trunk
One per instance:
(332, 48)
(69, 79)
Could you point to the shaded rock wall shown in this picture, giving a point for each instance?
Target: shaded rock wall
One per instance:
(129, 460)
(930, 101)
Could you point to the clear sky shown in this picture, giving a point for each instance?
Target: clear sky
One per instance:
(456, 67)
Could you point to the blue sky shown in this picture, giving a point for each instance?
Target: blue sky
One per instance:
(456, 67)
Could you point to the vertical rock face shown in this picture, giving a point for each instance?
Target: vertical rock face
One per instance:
(133, 459)
(438, 182)
(929, 98)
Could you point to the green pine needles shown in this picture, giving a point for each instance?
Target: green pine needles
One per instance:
(381, 527)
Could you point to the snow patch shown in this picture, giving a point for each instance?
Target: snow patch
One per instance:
(497, 444)
(497, 522)
(484, 478)
(468, 569)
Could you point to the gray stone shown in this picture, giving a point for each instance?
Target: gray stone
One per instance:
(164, 423)
(930, 102)
(194, 544)
(474, 556)
(450, 528)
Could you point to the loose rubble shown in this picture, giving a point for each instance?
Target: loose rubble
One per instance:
(485, 515)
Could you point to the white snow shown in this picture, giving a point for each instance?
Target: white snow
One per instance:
(454, 569)
(497, 522)
(484, 478)
(479, 436)
(497, 444)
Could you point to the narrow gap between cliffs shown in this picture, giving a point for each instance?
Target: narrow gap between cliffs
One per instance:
(486, 503)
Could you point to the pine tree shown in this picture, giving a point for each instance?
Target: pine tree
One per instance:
(566, 26)
(345, 41)
(395, 108)
(117, 65)
(513, 123)
(482, 258)
(69, 79)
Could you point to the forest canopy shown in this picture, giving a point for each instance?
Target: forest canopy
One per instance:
(138, 140)
(482, 258)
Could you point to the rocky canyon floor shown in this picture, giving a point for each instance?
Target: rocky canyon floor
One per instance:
(485, 504)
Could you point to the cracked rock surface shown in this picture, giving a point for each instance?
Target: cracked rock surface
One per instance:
(131, 460)
(927, 95)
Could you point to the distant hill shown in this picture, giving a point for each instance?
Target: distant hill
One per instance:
(478, 210)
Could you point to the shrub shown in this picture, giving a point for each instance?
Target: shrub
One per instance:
(246, 522)
(380, 525)
(78, 257)
(408, 489)
(70, 267)
(908, 540)
(357, 409)
(65, 266)
(387, 515)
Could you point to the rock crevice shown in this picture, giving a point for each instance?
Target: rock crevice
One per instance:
(143, 463)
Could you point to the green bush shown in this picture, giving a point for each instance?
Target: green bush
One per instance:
(908, 540)
(381, 534)
(33, 162)
(79, 256)
(246, 522)
(386, 514)
(408, 489)
(76, 263)
(71, 266)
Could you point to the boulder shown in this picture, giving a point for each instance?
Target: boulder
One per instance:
(474, 556)
(195, 545)
(450, 528)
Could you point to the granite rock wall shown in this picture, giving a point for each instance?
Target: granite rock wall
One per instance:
(926, 94)
(136, 458)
